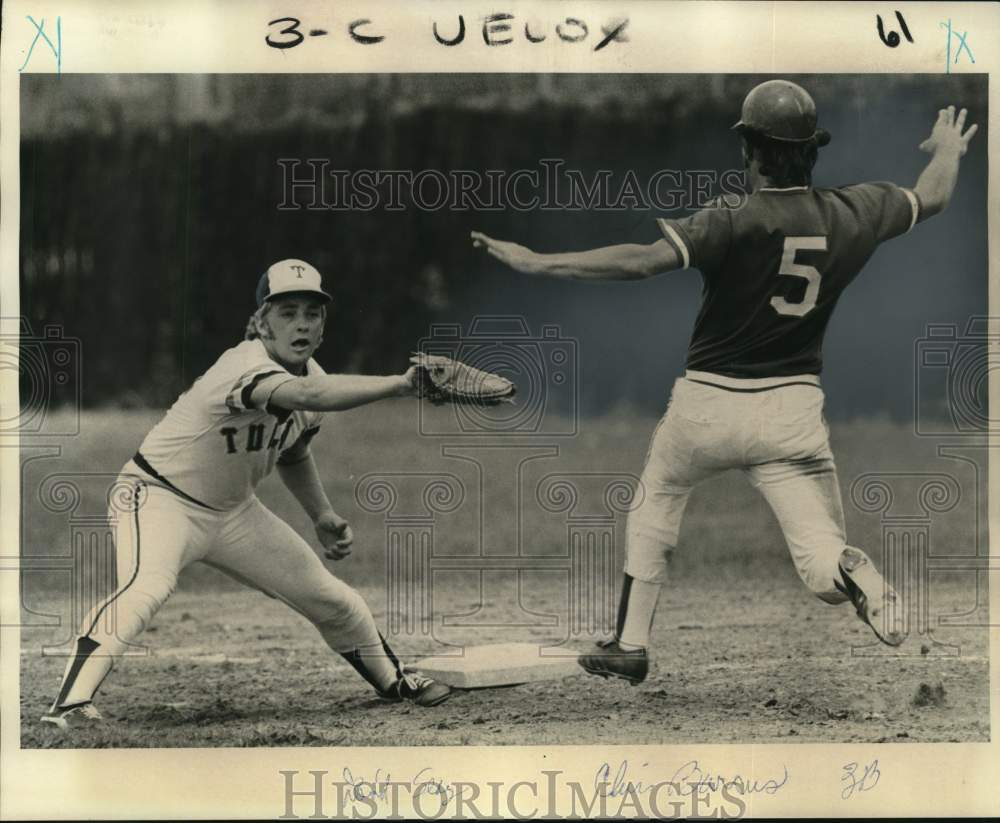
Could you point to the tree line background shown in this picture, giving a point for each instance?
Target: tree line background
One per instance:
(149, 208)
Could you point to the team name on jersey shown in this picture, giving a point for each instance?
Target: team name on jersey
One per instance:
(253, 439)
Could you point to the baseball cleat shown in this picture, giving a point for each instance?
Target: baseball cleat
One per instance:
(72, 717)
(876, 602)
(418, 689)
(611, 660)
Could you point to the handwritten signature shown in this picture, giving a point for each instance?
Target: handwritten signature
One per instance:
(689, 779)
(381, 786)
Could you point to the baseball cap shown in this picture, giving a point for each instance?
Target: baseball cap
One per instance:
(290, 277)
(783, 111)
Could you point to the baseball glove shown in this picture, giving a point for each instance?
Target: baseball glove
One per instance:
(443, 380)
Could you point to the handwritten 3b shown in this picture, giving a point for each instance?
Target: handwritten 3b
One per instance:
(859, 778)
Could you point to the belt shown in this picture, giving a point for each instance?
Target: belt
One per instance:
(750, 384)
(144, 464)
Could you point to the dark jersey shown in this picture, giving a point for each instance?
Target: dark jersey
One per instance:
(774, 269)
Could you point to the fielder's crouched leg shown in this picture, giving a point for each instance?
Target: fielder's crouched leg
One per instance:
(261, 550)
(153, 541)
(355, 637)
(105, 639)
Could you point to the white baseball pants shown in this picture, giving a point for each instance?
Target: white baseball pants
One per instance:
(778, 438)
(159, 533)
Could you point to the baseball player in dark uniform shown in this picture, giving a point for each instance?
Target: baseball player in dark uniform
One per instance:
(190, 496)
(773, 269)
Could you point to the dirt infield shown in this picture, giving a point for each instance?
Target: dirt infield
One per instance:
(743, 652)
(239, 670)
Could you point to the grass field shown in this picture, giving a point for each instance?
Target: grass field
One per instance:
(743, 652)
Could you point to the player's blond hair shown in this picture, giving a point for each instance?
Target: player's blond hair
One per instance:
(258, 327)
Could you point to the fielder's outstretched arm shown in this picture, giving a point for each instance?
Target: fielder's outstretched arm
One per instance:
(337, 392)
(947, 144)
(629, 261)
(299, 474)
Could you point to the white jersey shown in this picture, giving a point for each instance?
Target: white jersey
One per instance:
(215, 444)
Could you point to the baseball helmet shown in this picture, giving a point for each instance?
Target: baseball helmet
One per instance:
(781, 110)
(290, 277)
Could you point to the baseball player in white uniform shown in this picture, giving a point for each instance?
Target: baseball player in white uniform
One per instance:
(773, 270)
(191, 498)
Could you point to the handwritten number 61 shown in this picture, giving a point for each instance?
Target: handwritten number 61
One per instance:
(892, 39)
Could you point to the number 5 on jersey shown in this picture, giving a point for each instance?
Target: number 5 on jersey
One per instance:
(793, 269)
